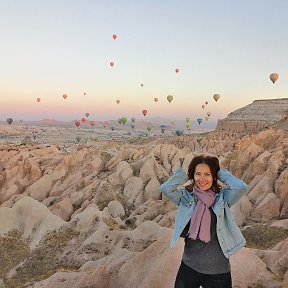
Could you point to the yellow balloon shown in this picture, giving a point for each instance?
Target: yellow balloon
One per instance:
(169, 98)
(216, 97)
(187, 125)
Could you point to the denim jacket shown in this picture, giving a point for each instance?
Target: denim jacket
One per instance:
(229, 235)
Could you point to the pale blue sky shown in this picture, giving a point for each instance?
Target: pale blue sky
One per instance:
(49, 48)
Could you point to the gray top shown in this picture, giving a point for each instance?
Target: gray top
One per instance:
(206, 258)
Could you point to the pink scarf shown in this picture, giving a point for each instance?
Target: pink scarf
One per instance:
(201, 216)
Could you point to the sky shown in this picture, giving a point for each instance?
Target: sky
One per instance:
(55, 47)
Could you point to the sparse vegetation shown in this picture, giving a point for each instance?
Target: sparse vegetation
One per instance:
(113, 225)
(42, 262)
(13, 250)
(261, 236)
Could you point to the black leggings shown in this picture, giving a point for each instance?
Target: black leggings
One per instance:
(189, 278)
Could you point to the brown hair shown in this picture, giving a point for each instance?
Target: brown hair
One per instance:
(213, 164)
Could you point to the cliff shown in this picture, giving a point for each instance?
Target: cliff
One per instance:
(258, 115)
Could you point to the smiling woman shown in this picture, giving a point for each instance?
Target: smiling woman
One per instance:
(202, 206)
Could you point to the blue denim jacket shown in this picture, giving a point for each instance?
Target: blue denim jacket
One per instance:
(229, 235)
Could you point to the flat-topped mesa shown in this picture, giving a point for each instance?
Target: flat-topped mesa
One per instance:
(258, 115)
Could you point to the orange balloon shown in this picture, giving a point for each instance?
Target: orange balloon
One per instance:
(65, 96)
(274, 77)
(38, 99)
(144, 112)
(77, 123)
(117, 101)
(92, 123)
(156, 99)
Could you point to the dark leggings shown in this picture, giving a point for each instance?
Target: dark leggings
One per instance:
(189, 278)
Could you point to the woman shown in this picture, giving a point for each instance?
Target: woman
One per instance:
(205, 220)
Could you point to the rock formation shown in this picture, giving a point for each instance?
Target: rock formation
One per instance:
(89, 214)
(261, 114)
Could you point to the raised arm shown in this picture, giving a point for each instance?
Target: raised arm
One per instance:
(236, 187)
(169, 187)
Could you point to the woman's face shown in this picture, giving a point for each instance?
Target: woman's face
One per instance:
(202, 177)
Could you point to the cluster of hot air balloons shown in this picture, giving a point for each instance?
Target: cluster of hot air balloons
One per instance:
(187, 125)
(273, 77)
(64, 97)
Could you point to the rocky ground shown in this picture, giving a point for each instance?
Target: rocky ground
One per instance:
(91, 214)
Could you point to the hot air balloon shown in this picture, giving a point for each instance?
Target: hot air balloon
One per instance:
(78, 138)
(216, 97)
(169, 98)
(117, 101)
(149, 128)
(206, 102)
(133, 119)
(123, 120)
(132, 125)
(84, 120)
(178, 132)
(38, 99)
(187, 125)
(144, 112)
(187, 119)
(163, 128)
(208, 114)
(156, 99)
(65, 96)
(92, 123)
(206, 118)
(9, 121)
(177, 70)
(111, 64)
(142, 84)
(274, 77)
(87, 114)
(203, 106)
(77, 123)
(199, 120)
(114, 36)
